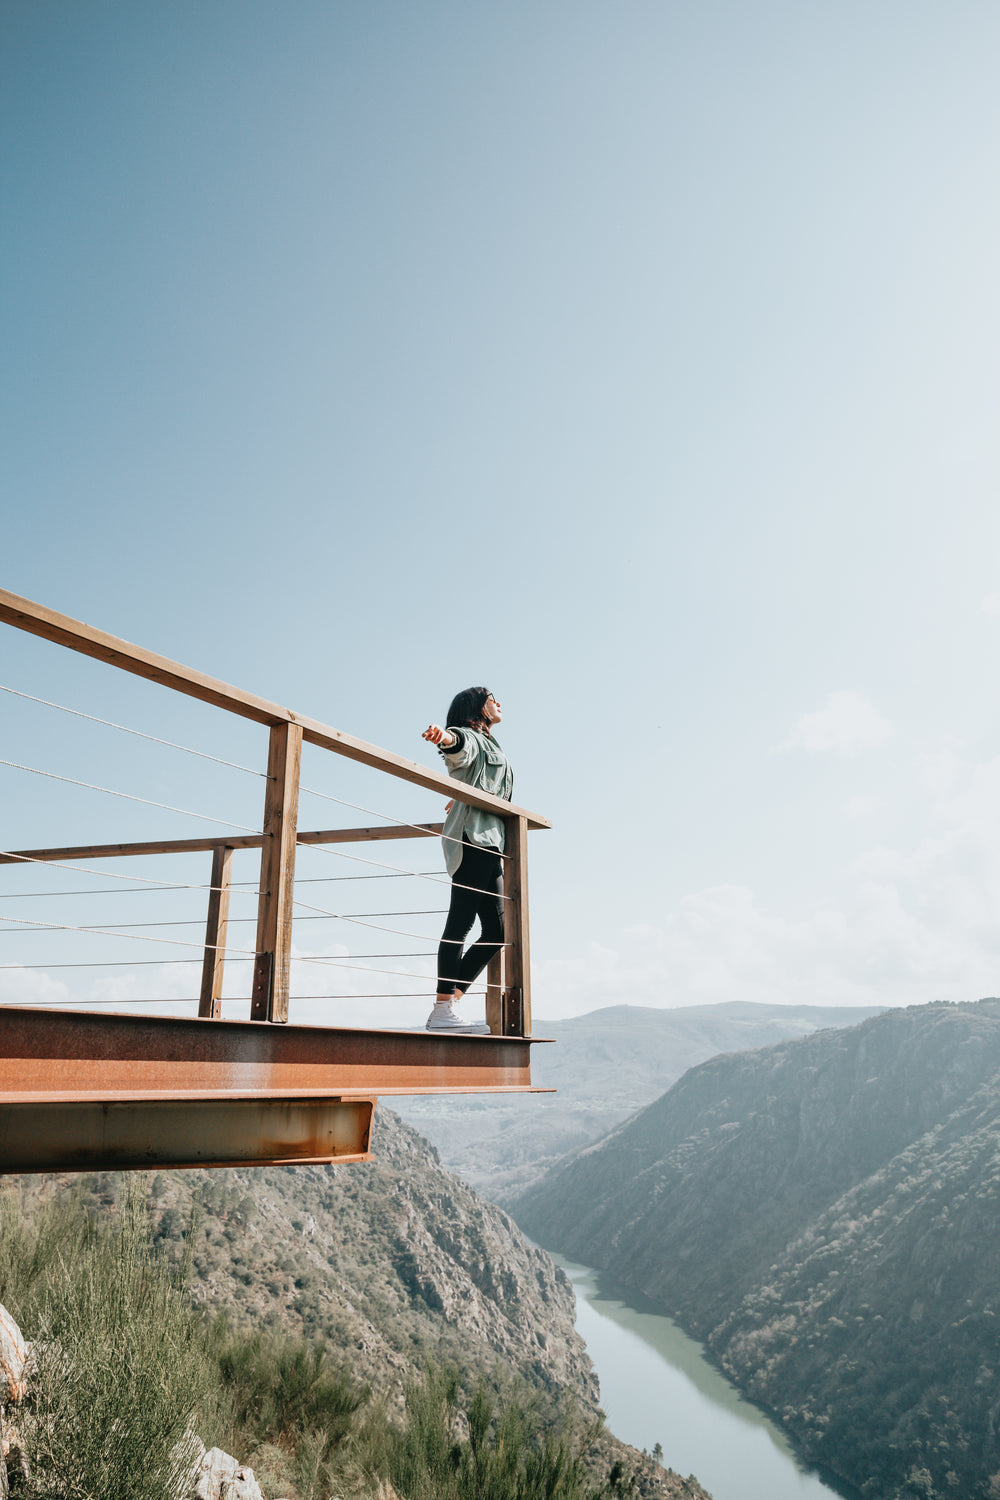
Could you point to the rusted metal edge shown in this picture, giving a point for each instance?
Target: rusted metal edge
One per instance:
(96, 1096)
(255, 1029)
(83, 1052)
(80, 1135)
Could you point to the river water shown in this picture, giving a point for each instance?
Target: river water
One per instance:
(658, 1387)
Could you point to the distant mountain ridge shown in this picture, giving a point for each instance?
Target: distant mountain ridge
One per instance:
(824, 1214)
(604, 1066)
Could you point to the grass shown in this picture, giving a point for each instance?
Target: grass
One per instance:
(125, 1370)
(120, 1366)
(486, 1448)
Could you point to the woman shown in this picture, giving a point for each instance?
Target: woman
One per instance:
(473, 845)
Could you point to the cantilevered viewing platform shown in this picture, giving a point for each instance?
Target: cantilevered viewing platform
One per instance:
(81, 1090)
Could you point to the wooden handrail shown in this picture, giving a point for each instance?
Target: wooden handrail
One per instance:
(36, 619)
(508, 978)
(235, 841)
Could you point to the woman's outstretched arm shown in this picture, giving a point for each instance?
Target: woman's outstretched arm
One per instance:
(439, 736)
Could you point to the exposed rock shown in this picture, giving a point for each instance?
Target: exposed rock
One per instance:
(390, 1262)
(10, 1438)
(219, 1476)
(13, 1463)
(13, 1385)
(242, 1486)
(13, 1357)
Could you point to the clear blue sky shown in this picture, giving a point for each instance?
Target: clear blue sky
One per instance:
(638, 360)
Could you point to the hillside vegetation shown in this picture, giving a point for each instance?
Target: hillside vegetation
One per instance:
(339, 1328)
(605, 1066)
(823, 1214)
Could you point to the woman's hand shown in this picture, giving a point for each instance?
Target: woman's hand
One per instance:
(449, 804)
(438, 736)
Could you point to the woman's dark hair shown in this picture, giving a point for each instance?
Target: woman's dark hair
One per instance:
(467, 707)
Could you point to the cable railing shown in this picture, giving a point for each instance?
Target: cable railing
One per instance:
(263, 972)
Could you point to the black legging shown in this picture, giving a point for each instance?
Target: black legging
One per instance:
(481, 869)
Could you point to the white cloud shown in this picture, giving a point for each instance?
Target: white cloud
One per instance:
(32, 987)
(862, 806)
(844, 725)
(916, 925)
(990, 605)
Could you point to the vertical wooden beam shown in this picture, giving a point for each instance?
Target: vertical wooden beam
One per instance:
(494, 995)
(517, 995)
(210, 1003)
(269, 998)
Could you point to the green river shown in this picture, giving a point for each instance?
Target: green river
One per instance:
(658, 1387)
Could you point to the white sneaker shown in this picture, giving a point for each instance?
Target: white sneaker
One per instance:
(444, 1017)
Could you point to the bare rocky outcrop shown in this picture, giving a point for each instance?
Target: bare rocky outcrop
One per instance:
(214, 1475)
(389, 1262)
(13, 1358)
(218, 1476)
(13, 1386)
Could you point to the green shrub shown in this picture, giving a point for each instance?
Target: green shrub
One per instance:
(280, 1388)
(485, 1449)
(126, 1369)
(120, 1368)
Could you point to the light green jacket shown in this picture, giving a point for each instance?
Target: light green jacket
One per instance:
(479, 762)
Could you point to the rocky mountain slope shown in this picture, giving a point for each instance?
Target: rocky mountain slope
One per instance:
(605, 1066)
(824, 1215)
(390, 1262)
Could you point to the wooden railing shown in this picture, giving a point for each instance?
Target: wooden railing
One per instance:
(508, 994)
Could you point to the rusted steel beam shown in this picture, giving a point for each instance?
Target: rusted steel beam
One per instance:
(79, 1052)
(123, 1134)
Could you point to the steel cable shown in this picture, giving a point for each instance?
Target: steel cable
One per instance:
(119, 963)
(130, 797)
(386, 817)
(375, 926)
(158, 886)
(231, 999)
(133, 937)
(234, 921)
(141, 734)
(339, 854)
(171, 885)
(332, 958)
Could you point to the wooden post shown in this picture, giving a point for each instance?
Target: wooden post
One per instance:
(494, 995)
(210, 1003)
(269, 999)
(517, 995)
